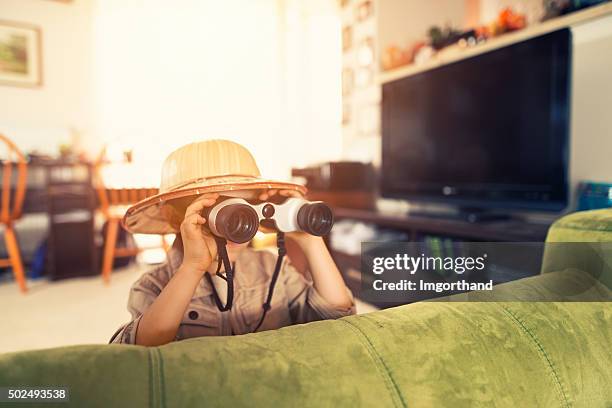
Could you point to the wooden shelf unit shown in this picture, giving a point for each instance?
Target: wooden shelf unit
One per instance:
(455, 53)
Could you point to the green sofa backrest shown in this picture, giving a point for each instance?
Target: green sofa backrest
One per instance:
(421, 355)
(582, 240)
(429, 354)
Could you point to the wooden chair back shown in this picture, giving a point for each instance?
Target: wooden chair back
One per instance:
(109, 197)
(14, 167)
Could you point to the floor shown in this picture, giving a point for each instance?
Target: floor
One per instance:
(75, 311)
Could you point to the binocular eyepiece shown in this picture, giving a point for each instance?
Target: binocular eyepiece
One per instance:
(237, 220)
(237, 223)
(315, 218)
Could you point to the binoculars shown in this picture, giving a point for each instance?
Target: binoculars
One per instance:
(237, 220)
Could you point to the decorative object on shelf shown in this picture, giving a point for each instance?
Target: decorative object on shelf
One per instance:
(592, 196)
(72, 150)
(441, 37)
(347, 81)
(424, 54)
(364, 10)
(347, 38)
(556, 8)
(507, 21)
(394, 56)
(346, 114)
(365, 52)
(365, 61)
(20, 54)
(364, 77)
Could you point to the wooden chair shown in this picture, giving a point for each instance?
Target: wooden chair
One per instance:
(113, 203)
(10, 209)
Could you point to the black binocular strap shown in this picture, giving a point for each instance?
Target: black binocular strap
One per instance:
(229, 276)
(280, 243)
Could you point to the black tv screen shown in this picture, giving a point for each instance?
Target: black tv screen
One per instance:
(488, 131)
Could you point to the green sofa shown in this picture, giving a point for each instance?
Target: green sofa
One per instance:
(428, 354)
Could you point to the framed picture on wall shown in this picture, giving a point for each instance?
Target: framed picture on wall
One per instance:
(20, 54)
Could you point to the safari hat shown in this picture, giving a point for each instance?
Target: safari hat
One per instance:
(210, 166)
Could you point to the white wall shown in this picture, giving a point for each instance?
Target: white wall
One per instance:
(42, 117)
(168, 74)
(404, 22)
(311, 97)
(155, 75)
(591, 118)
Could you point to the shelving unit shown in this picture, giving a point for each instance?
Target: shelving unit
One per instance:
(70, 203)
(455, 53)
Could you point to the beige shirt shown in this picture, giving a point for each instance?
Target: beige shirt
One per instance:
(295, 299)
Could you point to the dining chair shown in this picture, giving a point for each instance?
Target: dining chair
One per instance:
(113, 203)
(14, 175)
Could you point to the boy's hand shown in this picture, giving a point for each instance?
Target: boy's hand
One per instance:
(303, 239)
(199, 247)
(326, 277)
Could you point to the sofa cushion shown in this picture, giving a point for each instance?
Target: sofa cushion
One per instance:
(427, 354)
(582, 240)
(583, 226)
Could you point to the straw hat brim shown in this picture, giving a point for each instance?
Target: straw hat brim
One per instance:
(164, 212)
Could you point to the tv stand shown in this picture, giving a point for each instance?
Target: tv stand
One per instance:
(467, 214)
(502, 229)
(440, 227)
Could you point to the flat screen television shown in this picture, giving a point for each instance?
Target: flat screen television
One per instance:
(489, 131)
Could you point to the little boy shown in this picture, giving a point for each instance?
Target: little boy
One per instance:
(174, 301)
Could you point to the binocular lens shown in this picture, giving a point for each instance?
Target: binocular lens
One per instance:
(237, 223)
(315, 219)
